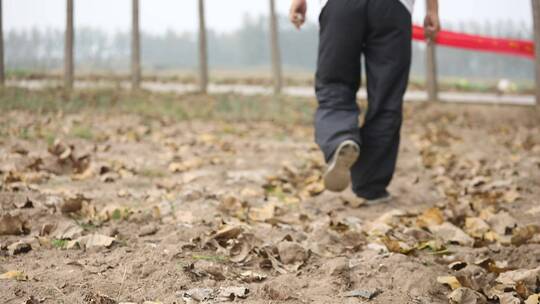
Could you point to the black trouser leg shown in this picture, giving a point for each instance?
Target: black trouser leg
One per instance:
(388, 58)
(342, 29)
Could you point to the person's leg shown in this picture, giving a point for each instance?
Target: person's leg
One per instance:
(342, 26)
(387, 53)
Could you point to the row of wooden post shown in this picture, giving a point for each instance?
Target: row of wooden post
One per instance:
(69, 66)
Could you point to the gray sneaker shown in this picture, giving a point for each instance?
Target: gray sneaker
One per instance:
(338, 175)
(386, 198)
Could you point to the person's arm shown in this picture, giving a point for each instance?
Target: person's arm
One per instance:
(297, 13)
(432, 24)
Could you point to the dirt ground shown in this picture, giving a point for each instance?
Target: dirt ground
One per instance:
(111, 207)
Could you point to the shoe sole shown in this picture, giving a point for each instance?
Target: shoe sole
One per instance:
(338, 175)
(379, 201)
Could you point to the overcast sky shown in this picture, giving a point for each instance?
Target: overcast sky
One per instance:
(222, 15)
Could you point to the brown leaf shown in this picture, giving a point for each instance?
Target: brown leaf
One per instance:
(476, 227)
(522, 235)
(251, 277)
(452, 234)
(93, 241)
(533, 299)
(262, 214)
(430, 217)
(451, 281)
(464, 295)
(14, 275)
(226, 233)
(396, 246)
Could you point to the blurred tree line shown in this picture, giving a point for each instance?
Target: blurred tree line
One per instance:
(42, 49)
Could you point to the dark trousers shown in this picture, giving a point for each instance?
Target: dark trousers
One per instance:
(381, 31)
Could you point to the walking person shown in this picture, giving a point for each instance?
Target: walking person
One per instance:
(380, 30)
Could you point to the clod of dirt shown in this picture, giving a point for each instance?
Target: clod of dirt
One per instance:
(214, 270)
(19, 247)
(502, 223)
(232, 293)
(366, 294)
(22, 201)
(292, 253)
(13, 225)
(465, 295)
(474, 277)
(31, 300)
(94, 298)
(147, 230)
(277, 292)
(252, 277)
(72, 204)
(452, 234)
(197, 295)
(337, 267)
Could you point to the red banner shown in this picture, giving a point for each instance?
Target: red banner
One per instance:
(479, 43)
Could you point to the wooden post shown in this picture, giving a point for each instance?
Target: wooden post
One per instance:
(276, 54)
(68, 47)
(431, 69)
(431, 72)
(2, 68)
(536, 20)
(203, 52)
(135, 47)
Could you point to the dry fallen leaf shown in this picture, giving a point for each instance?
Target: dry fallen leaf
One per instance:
(451, 281)
(67, 231)
(430, 217)
(522, 235)
(92, 241)
(396, 246)
(251, 277)
(183, 166)
(511, 196)
(502, 223)
(232, 293)
(528, 277)
(452, 234)
(533, 299)
(14, 275)
(464, 295)
(262, 214)
(476, 227)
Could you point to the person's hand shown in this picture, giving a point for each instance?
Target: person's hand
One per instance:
(432, 25)
(297, 13)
